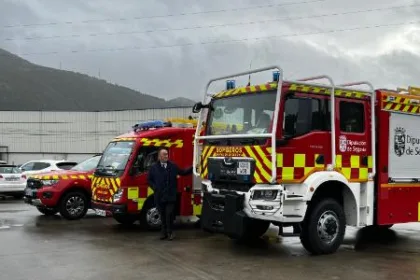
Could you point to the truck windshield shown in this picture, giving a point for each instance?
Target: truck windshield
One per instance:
(115, 157)
(88, 164)
(242, 114)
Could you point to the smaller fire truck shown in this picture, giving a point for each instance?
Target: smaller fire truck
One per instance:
(119, 185)
(313, 156)
(64, 191)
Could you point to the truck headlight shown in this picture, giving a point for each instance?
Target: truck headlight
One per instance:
(118, 195)
(49, 182)
(264, 195)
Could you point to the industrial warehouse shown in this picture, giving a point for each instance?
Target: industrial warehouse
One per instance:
(74, 136)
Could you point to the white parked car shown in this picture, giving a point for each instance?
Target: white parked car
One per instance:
(12, 181)
(45, 165)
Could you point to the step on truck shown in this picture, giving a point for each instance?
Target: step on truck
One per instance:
(119, 185)
(315, 156)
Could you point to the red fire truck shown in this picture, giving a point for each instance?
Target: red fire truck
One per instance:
(119, 185)
(313, 156)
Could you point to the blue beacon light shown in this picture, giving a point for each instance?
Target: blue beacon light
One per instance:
(230, 84)
(150, 124)
(276, 76)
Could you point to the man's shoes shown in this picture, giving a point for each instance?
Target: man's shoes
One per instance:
(163, 237)
(171, 236)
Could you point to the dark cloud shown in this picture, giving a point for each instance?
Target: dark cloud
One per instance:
(147, 62)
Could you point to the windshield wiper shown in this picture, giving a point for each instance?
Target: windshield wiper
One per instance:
(248, 141)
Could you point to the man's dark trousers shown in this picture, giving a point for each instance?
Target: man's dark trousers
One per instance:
(166, 210)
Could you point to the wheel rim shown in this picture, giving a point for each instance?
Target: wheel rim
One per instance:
(153, 217)
(75, 205)
(328, 227)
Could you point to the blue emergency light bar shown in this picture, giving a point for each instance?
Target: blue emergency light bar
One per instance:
(276, 76)
(151, 124)
(230, 84)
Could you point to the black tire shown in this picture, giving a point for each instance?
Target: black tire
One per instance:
(73, 205)
(332, 213)
(149, 216)
(125, 219)
(385, 226)
(254, 230)
(47, 211)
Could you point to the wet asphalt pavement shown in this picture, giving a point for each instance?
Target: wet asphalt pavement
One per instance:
(33, 246)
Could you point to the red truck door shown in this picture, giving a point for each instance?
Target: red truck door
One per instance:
(306, 141)
(353, 148)
(185, 185)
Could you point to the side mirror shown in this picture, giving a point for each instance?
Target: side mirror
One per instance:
(133, 171)
(282, 141)
(197, 107)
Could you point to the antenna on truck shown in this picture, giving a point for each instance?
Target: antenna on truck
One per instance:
(249, 76)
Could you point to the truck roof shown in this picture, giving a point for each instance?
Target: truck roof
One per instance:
(163, 132)
(411, 92)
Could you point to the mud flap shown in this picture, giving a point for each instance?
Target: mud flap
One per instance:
(224, 214)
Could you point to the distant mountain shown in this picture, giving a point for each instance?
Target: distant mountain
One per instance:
(25, 86)
(181, 101)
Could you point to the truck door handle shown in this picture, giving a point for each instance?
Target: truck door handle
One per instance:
(320, 159)
(187, 189)
(365, 160)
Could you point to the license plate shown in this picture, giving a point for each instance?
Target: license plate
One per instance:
(28, 192)
(12, 179)
(244, 168)
(100, 212)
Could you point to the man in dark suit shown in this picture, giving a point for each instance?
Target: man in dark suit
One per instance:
(163, 180)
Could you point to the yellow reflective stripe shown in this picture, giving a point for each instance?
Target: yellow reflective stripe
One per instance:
(266, 161)
(133, 192)
(258, 164)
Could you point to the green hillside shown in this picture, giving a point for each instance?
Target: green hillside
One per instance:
(25, 86)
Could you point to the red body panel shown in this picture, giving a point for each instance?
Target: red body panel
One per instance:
(67, 179)
(396, 202)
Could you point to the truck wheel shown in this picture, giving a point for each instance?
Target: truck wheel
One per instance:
(73, 205)
(125, 219)
(324, 227)
(150, 216)
(47, 211)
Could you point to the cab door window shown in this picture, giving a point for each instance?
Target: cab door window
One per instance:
(352, 117)
(301, 116)
(146, 157)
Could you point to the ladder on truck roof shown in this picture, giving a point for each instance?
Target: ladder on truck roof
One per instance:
(305, 81)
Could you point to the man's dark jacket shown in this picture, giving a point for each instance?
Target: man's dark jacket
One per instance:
(164, 181)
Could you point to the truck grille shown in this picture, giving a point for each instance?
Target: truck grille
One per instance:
(33, 183)
(233, 187)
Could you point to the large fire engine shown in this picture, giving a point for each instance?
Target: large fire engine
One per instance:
(313, 156)
(119, 185)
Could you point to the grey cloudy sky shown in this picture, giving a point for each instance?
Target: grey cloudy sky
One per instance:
(157, 46)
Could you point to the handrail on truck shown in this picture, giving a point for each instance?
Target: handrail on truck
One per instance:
(275, 120)
(372, 93)
(266, 135)
(332, 113)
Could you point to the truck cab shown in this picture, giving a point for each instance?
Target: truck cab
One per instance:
(119, 185)
(288, 153)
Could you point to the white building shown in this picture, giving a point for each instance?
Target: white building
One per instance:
(69, 135)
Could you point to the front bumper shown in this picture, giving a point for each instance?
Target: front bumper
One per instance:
(12, 188)
(109, 209)
(230, 212)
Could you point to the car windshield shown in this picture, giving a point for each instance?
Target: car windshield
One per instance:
(115, 156)
(88, 164)
(242, 114)
(9, 170)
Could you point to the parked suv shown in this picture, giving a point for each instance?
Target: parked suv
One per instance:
(45, 165)
(12, 181)
(65, 191)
